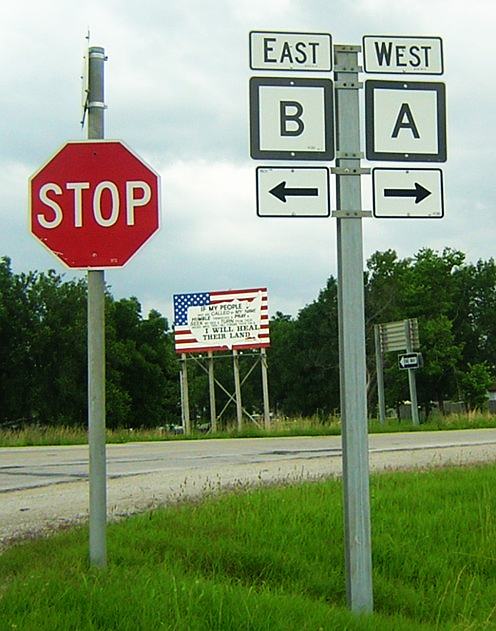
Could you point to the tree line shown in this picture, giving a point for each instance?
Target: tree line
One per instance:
(43, 347)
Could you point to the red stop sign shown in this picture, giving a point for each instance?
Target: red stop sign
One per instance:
(94, 203)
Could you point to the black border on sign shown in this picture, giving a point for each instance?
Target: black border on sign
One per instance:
(399, 71)
(372, 154)
(406, 216)
(263, 154)
(418, 357)
(279, 168)
(271, 68)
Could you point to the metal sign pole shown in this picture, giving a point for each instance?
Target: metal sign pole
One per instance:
(412, 384)
(379, 367)
(358, 557)
(96, 345)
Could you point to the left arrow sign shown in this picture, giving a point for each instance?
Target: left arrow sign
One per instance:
(281, 191)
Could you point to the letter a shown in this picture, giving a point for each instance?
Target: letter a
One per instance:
(405, 121)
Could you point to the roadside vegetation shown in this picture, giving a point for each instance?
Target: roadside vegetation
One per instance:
(271, 559)
(43, 376)
(331, 426)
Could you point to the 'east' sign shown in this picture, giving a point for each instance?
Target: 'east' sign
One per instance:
(405, 121)
(290, 51)
(291, 119)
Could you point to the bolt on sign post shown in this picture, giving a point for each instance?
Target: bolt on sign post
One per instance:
(93, 205)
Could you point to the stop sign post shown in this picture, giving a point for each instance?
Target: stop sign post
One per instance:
(94, 204)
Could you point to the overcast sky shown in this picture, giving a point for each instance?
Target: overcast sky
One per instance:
(177, 93)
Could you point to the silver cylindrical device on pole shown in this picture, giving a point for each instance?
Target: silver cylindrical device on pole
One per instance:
(358, 553)
(96, 344)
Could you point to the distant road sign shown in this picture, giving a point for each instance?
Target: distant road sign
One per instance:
(290, 51)
(395, 336)
(293, 192)
(416, 193)
(405, 121)
(409, 361)
(403, 55)
(291, 119)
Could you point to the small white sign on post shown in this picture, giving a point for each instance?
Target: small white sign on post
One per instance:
(410, 361)
(293, 192)
(409, 193)
(405, 121)
(290, 51)
(403, 55)
(291, 119)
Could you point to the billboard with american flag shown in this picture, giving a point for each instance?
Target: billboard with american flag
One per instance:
(219, 320)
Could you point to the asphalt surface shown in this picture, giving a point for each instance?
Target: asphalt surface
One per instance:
(43, 488)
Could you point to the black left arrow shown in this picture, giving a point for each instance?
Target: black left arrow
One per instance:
(419, 192)
(281, 192)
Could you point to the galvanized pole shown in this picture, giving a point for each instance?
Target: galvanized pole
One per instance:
(211, 389)
(96, 344)
(412, 384)
(265, 388)
(358, 557)
(379, 368)
(237, 391)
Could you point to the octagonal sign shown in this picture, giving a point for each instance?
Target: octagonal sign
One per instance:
(94, 204)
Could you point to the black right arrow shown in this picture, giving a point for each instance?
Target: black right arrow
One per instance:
(419, 192)
(281, 191)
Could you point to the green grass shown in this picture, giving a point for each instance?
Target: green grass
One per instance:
(271, 559)
(313, 426)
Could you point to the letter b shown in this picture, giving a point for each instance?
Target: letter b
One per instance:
(290, 117)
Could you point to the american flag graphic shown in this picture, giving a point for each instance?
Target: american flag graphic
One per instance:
(220, 337)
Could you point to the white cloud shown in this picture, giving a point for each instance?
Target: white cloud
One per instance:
(177, 91)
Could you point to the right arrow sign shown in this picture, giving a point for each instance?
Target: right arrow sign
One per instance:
(416, 193)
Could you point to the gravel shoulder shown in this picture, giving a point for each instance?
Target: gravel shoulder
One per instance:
(39, 511)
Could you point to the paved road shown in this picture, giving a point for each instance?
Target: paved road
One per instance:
(29, 467)
(42, 487)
